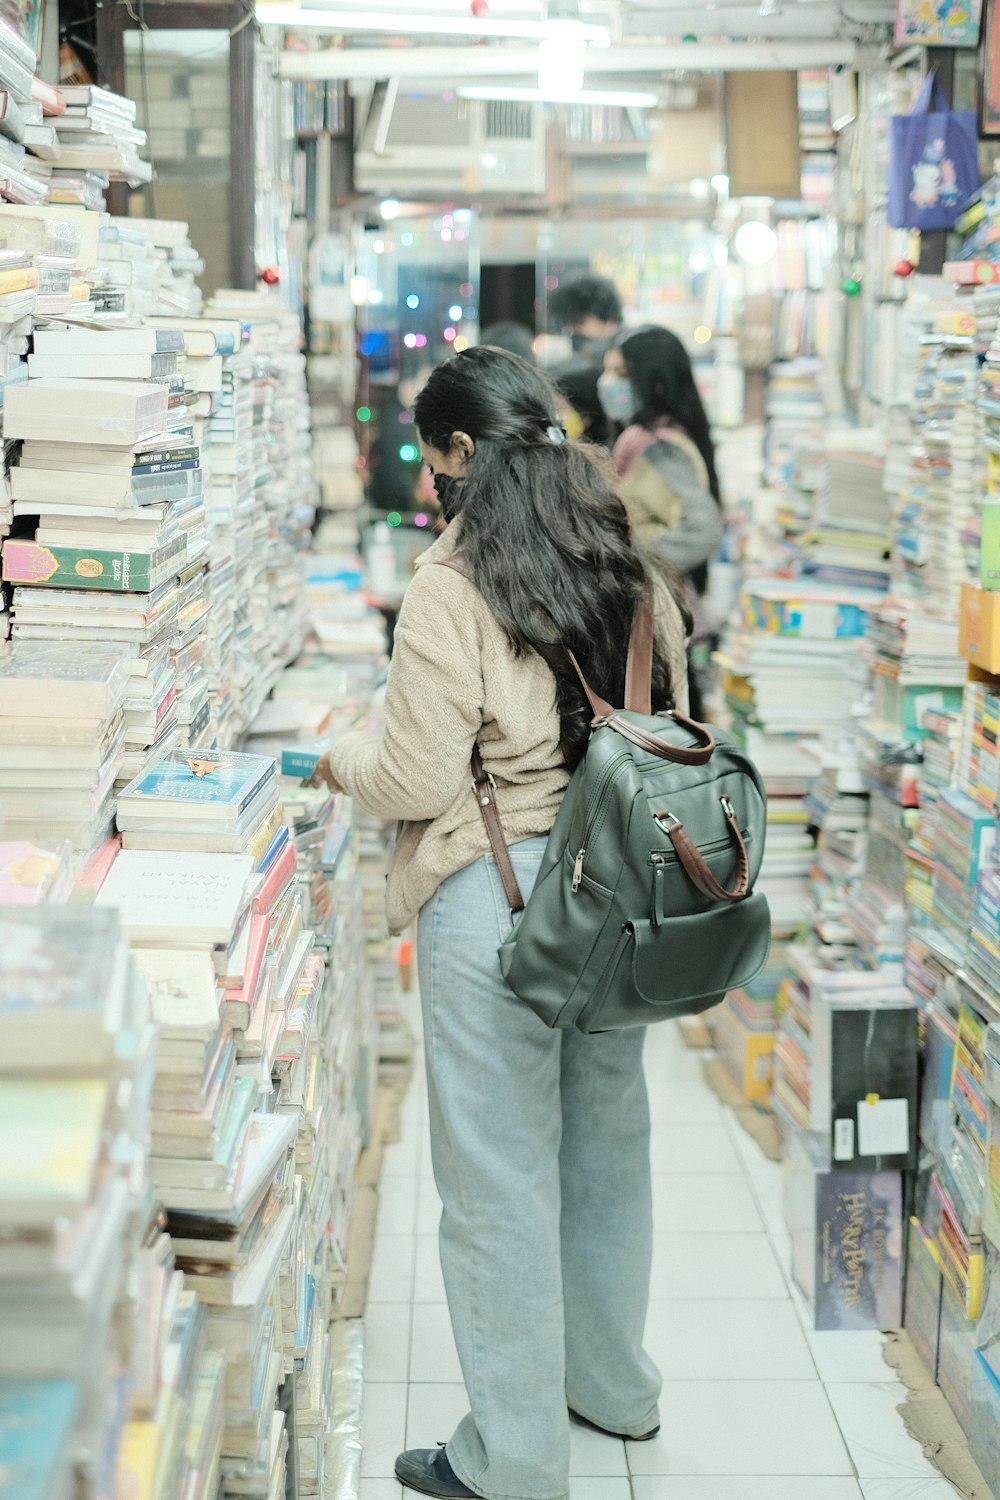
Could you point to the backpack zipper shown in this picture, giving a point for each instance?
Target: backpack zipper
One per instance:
(600, 798)
(716, 846)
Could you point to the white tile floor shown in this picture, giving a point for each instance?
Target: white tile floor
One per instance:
(756, 1406)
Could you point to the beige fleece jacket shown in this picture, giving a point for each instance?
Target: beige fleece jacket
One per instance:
(454, 679)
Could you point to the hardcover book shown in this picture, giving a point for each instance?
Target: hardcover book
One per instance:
(216, 784)
(120, 571)
(56, 680)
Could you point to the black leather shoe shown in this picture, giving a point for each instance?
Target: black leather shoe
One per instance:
(626, 1437)
(428, 1471)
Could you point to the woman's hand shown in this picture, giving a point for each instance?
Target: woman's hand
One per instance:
(323, 775)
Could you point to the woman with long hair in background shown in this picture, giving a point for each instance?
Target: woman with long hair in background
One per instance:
(665, 461)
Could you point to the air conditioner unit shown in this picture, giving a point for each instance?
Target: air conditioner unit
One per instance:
(413, 144)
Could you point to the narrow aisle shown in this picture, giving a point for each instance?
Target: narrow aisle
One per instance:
(756, 1406)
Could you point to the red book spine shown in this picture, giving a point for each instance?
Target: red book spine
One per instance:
(277, 879)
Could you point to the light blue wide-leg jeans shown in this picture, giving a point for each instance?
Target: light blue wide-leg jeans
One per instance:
(540, 1144)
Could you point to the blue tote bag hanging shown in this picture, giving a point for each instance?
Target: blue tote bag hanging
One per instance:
(933, 162)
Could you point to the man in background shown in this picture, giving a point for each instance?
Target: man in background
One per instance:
(589, 309)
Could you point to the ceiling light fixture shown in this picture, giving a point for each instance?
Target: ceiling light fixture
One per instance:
(562, 58)
(328, 18)
(627, 98)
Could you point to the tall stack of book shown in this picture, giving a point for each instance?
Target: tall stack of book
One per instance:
(105, 557)
(938, 517)
(76, 1057)
(62, 740)
(796, 412)
(219, 1163)
(792, 676)
(849, 538)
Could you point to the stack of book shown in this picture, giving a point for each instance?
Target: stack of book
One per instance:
(76, 1058)
(963, 844)
(848, 542)
(62, 739)
(212, 801)
(978, 764)
(795, 411)
(105, 556)
(219, 1165)
(876, 907)
(98, 143)
(177, 293)
(837, 806)
(937, 523)
(745, 1028)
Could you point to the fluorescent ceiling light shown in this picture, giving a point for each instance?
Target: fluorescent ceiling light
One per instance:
(414, 24)
(627, 98)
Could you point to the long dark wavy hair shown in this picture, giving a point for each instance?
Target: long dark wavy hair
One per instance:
(660, 370)
(547, 542)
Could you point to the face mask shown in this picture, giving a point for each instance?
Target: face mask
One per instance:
(617, 396)
(449, 492)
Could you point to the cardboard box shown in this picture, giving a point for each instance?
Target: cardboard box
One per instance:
(979, 627)
(865, 1079)
(847, 1238)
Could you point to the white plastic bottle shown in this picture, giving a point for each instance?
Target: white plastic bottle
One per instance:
(381, 560)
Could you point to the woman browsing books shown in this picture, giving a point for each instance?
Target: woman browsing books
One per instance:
(540, 1138)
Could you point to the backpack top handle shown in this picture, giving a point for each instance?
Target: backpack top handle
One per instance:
(638, 700)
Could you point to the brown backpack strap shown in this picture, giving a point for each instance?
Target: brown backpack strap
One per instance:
(485, 789)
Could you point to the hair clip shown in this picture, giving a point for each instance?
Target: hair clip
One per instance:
(555, 434)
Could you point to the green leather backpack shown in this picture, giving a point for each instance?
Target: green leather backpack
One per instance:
(644, 907)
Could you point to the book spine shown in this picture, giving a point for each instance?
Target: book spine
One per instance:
(172, 466)
(118, 571)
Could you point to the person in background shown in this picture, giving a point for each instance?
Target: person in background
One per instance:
(589, 309)
(665, 462)
(514, 337)
(539, 1138)
(581, 411)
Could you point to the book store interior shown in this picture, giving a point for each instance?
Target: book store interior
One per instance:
(667, 803)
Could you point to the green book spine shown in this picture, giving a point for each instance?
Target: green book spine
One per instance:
(120, 571)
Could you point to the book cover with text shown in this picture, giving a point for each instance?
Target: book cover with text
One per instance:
(226, 779)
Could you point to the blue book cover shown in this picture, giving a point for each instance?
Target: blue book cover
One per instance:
(36, 1420)
(201, 779)
(274, 849)
(859, 1250)
(300, 760)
